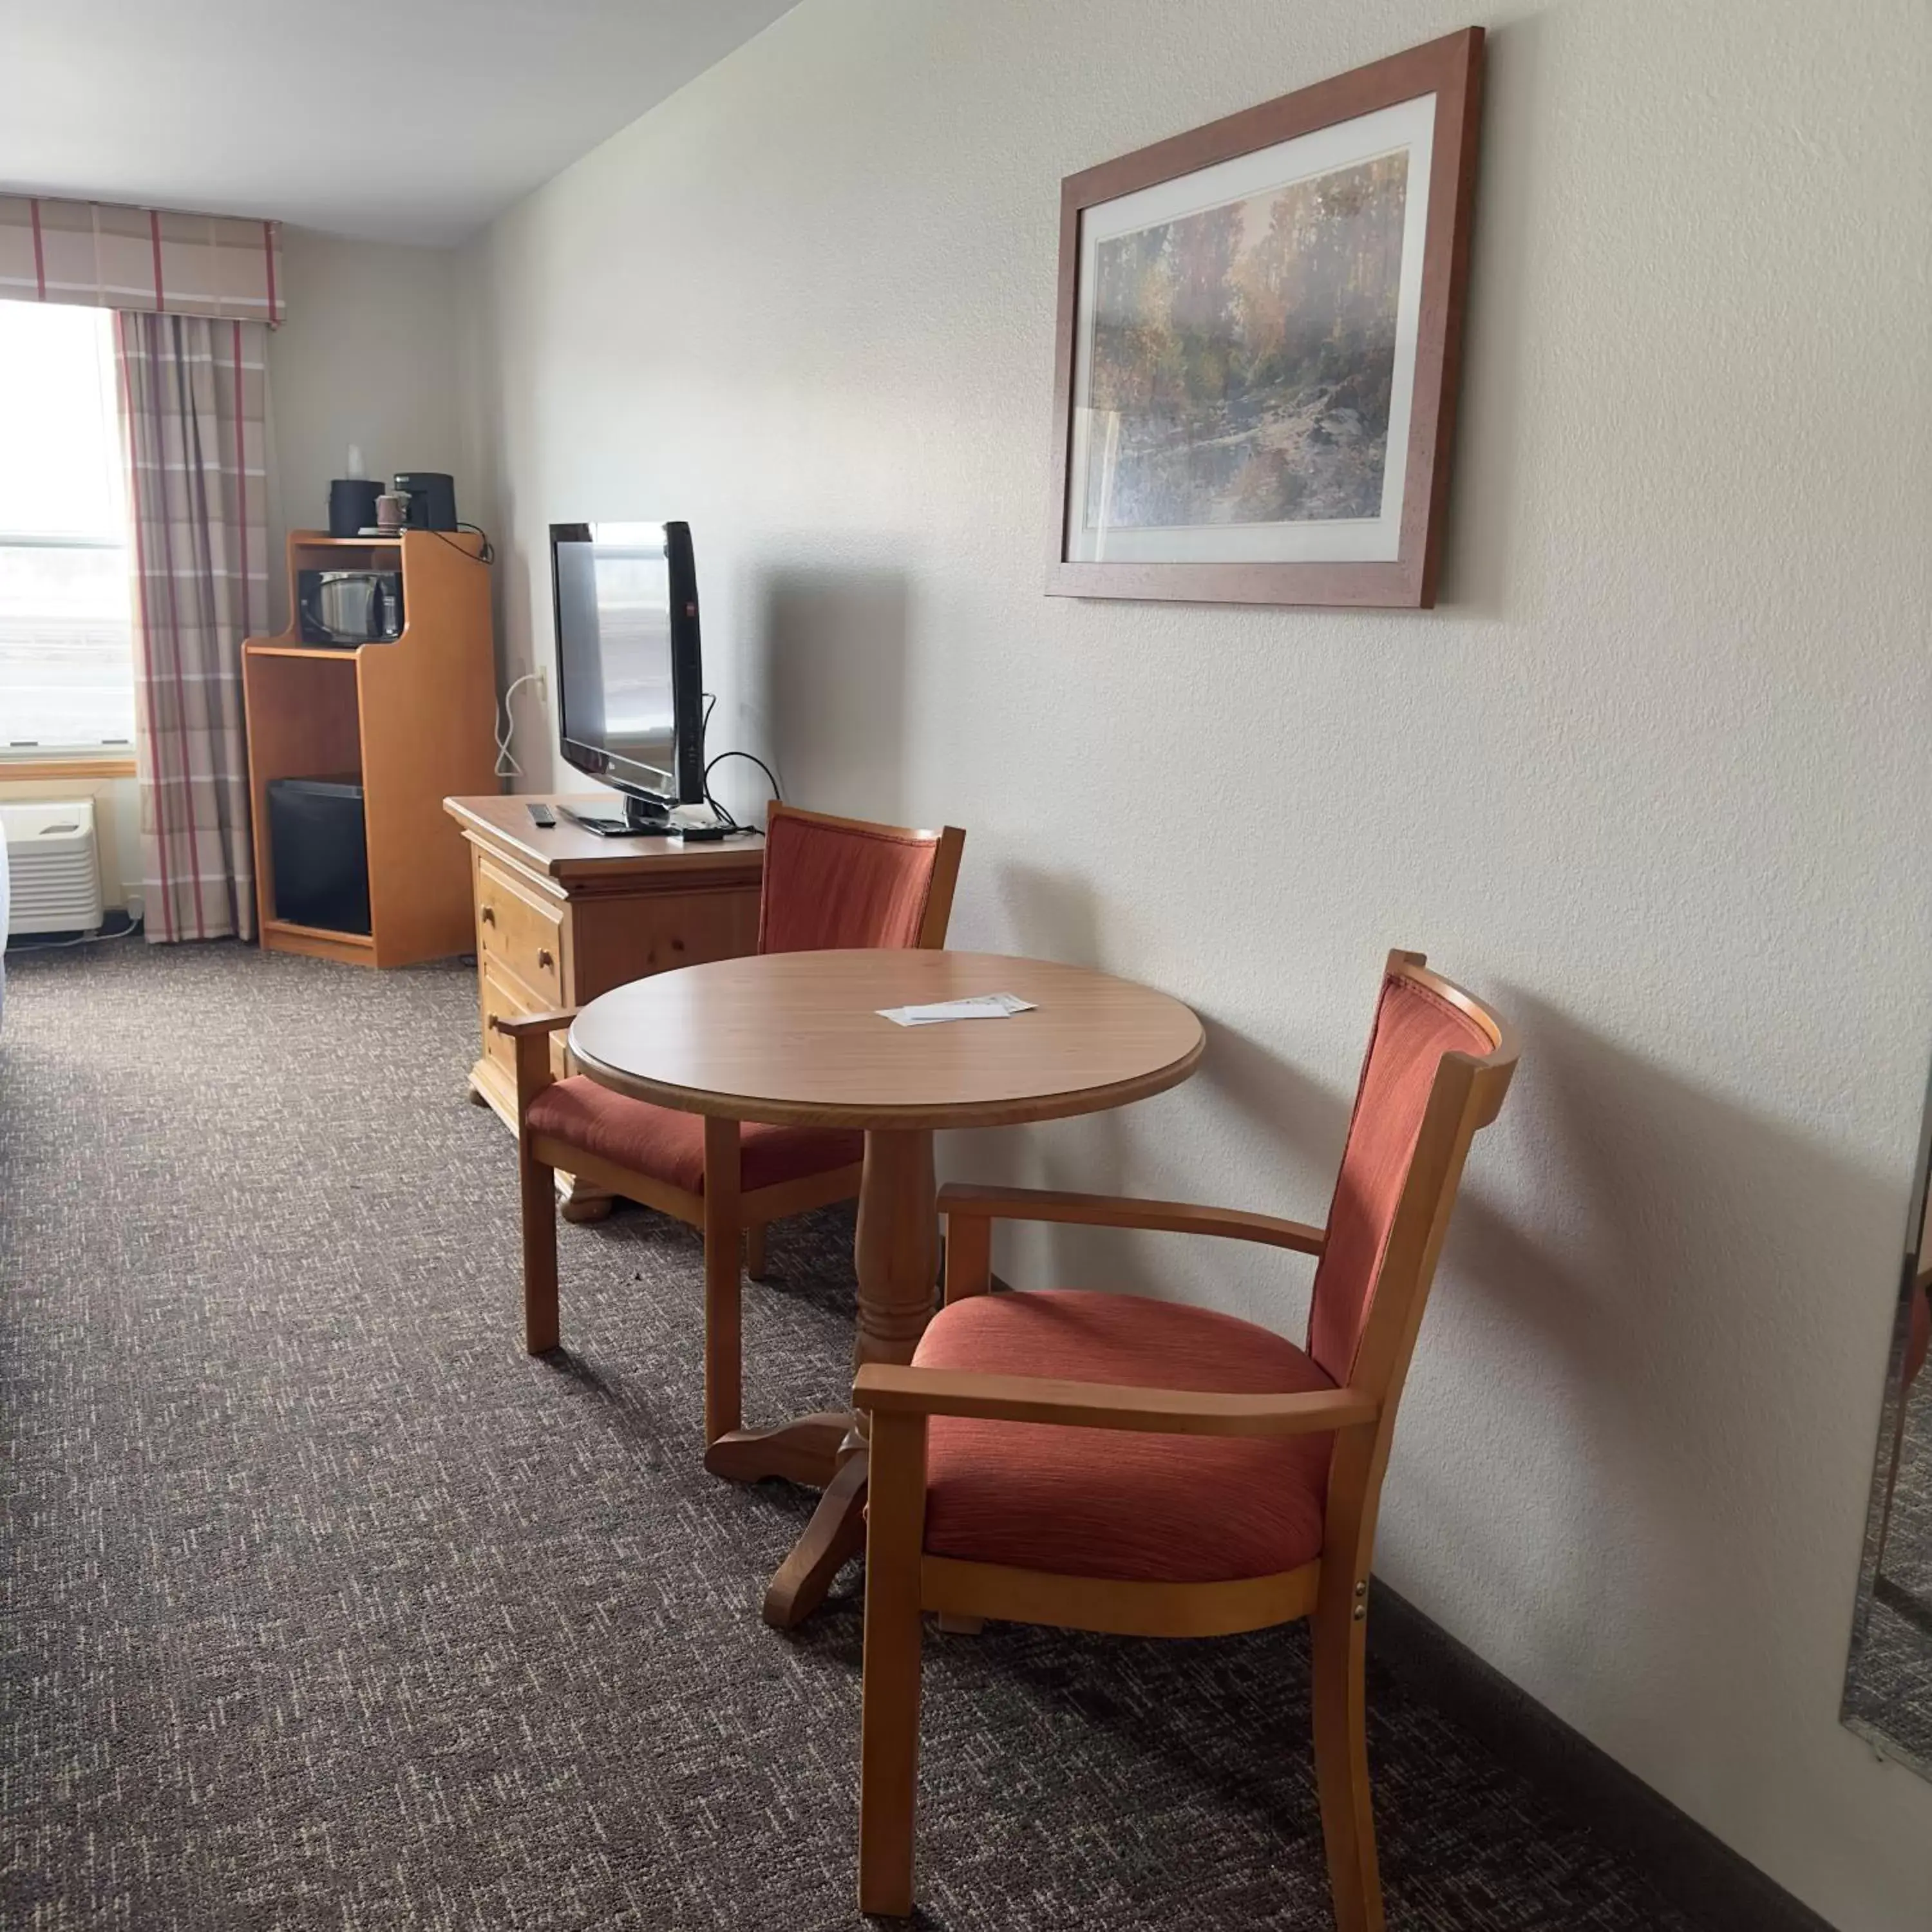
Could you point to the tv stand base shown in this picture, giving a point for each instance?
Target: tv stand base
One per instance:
(626, 827)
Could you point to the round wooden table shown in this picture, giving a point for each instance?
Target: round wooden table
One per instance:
(797, 1039)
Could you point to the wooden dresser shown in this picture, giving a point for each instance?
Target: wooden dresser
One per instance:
(561, 915)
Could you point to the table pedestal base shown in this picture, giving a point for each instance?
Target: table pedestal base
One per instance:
(835, 1535)
(823, 1452)
(896, 1255)
(804, 1450)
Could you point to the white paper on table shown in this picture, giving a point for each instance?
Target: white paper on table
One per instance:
(980, 1007)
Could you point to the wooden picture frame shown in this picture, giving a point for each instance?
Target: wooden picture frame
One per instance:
(1312, 367)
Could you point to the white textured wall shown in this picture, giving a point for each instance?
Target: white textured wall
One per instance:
(367, 356)
(1655, 778)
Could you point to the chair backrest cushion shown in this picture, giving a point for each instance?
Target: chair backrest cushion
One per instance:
(844, 885)
(1415, 1028)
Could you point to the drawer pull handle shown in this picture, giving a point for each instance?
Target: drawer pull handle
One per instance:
(488, 914)
(543, 957)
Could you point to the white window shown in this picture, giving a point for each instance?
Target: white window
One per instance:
(67, 680)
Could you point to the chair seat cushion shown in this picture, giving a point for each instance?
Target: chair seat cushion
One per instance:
(1103, 1502)
(669, 1146)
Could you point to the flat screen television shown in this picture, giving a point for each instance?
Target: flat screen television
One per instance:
(629, 670)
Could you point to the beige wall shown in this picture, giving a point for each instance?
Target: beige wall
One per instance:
(1653, 778)
(366, 357)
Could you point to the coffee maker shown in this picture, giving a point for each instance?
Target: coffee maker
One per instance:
(432, 499)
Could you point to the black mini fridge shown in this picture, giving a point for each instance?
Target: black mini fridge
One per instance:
(318, 853)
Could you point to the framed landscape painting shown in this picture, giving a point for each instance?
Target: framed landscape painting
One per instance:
(1259, 324)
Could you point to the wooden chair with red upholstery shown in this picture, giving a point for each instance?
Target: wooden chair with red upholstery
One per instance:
(1117, 1463)
(829, 883)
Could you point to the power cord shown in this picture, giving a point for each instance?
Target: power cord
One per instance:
(487, 555)
(777, 791)
(507, 766)
(723, 815)
(14, 946)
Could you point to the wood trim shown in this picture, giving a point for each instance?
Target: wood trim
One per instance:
(1451, 69)
(939, 888)
(965, 1202)
(351, 949)
(536, 1189)
(990, 1113)
(1115, 1608)
(969, 1254)
(54, 771)
(886, 1389)
(724, 1322)
(888, 1717)
(910, 834)
(517, 1025)
(328, 653)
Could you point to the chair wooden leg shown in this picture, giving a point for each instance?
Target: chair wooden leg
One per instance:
(969, 1255)
(754, 1251)
(724, 1353)
(1342, 1767)
(537, 1184)
(888, 1748)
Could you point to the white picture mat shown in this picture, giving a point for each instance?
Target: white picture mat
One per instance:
(1409, 124)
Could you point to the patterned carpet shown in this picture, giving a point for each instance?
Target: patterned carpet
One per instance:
(1889, 1687)
(325, 1607)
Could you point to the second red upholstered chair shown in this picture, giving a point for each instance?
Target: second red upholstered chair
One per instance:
(1115, 1462)
(829, 883)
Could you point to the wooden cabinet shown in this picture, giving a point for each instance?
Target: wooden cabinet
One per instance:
(561, 915)
(410, 720)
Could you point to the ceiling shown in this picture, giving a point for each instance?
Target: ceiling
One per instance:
(415, 121)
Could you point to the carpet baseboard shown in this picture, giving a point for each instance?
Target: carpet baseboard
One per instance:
(1695, 1870)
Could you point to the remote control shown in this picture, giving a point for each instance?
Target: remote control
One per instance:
(541, 815)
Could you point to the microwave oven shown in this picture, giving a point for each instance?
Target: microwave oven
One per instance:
(347, 608)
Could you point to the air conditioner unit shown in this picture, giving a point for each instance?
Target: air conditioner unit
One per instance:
(55, 869)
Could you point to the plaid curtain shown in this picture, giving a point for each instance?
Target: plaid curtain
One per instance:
(194, 395)
(102, 256)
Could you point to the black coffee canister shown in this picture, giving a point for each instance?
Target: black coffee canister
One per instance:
(352, 504)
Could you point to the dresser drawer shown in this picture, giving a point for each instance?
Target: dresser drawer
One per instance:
(496, 998)
(506, 997)
(522, 935)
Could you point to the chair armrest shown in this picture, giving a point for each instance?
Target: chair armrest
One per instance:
(519, 1026)
(884, 1389)
(528, 1035)
(1117, 1211)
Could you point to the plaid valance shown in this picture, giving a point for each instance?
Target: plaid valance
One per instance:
(96, 255)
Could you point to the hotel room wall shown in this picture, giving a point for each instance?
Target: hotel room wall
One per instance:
(1654, 777)
(367, 356)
